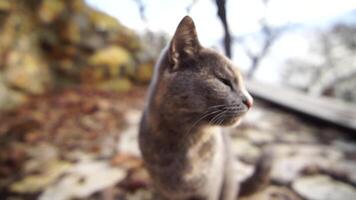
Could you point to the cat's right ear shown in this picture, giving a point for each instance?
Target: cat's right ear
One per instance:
(185, 42)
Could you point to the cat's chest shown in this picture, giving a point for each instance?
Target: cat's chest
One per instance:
(197, 170)
(206, 158)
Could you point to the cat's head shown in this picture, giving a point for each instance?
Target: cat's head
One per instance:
(200, 82)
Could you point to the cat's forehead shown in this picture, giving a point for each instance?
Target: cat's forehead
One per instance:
(220, 64)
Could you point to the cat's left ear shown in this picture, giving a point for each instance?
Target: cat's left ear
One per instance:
(185, 41)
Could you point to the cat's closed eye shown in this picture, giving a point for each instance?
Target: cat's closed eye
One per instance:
(226, 82)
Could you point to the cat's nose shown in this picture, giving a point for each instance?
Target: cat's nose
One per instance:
(247, 100)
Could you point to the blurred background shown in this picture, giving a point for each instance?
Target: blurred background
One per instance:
(74, 75)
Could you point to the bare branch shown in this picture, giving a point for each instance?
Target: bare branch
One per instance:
(269, 36)
(221, 5)
(191, 5)
(142, 10)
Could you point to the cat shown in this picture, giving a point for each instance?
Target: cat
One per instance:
(194, 92)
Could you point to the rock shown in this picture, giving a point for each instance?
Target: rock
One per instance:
(93, 42)
(24, 69)
(285, 150)
(65, 42)
(346, 146)
(256, 115)
(242, 170)
(296, 137)
(133, 117)
(35, 183)
(291, 160)
(285, 170)
(5, 5)
(345, 170)
(50, 10)
(82, 180)
(103, 22)
(323, 188)
(78, 5)
(259, 137)
(140, 195)
(117, 85)
(27, 71)
(274, 193)
(151, 45)
(115, 59)
(128, 139)
(128, 142)
(294, 160)
(71, 32)
(126, 161)
(43, 151)
(9, 98)
(138, 179)
(144, 72)
(244, 150)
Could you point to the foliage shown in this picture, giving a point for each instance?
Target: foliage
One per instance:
(53, 43)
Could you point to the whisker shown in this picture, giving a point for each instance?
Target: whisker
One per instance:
(216, 106)
(216, 118)
(221, 121)
(205, 114)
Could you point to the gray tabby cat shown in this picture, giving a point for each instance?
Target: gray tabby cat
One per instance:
(195, 91)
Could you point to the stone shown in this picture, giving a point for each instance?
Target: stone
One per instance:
(50, 10)
(83, 180)
(132, 117)
(140, 195)
(35, 183)
(256, 114)
(244, 150)
(242, 170)
(5, 5)
(127, 161)
(346, 146)
(144, 72)
(71, 32)
(274, 193)
(296, 137)
(115, 59)
(291, 160)
(65, 43)
(322, 187)
(259, 137)
(40, 154)
(27, 71)
(116, 85)
(344, 170)
(9, 99)
(103, 22)
(138, 179)
(128, 138)
(128, 142)
(285, 150)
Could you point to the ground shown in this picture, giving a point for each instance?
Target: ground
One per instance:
(82, 144)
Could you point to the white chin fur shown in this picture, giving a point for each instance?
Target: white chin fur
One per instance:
(236, 123)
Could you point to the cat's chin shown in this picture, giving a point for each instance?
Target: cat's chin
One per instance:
(238, 121)
(231, 122)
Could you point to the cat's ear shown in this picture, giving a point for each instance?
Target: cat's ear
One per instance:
(185, 41)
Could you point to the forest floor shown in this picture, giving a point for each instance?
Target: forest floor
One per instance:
(82, 144)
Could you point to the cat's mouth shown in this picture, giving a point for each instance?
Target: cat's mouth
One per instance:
(228, 115)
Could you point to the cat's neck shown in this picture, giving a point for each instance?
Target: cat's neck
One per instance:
(175, 131)
(171, 143)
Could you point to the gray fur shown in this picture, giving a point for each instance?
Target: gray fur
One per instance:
(195, 91)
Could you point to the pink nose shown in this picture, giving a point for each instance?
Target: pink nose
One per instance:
(248, 100)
